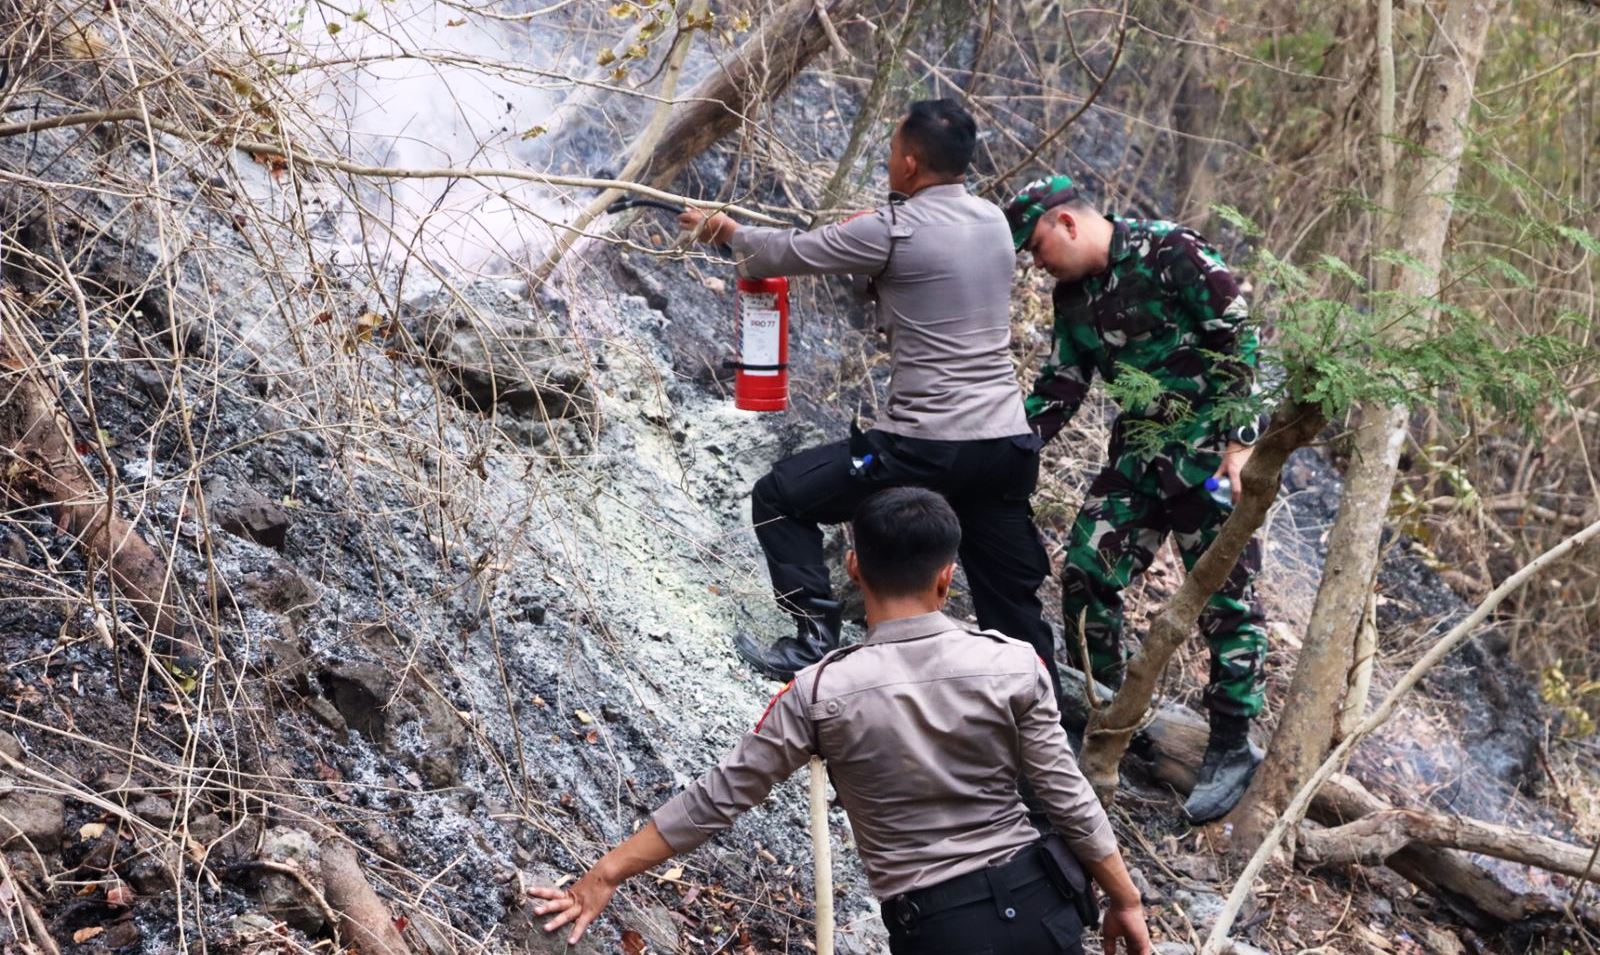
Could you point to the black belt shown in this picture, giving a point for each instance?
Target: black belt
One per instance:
(903, 911)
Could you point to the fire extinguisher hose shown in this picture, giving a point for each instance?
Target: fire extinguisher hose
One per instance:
(640, 202)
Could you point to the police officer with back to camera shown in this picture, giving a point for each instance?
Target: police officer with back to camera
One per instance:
(940, 263)
(926, 728)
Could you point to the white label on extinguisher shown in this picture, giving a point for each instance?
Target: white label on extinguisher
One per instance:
(759, 339)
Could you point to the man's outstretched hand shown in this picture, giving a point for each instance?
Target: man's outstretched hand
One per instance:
(716, 229)
(578, 905)
(583, 903)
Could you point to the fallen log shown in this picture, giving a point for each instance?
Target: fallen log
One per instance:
(363, 918)
(40, 465)
(1372, 839)
(1466, 888)
(1169, 748)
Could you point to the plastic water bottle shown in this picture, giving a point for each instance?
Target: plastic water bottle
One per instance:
(1221, 491)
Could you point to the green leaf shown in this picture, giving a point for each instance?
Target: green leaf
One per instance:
(1513, 179)
(1237, 219)
(1494, 265)
(185, 679)
(1405, 261)
(1133, 388)
(1582, 238)
(1281, 271)
(1334, 265)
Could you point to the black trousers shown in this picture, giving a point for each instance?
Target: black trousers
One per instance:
(988, 483)
(1043, 921)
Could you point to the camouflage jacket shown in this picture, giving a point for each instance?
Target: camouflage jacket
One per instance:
(1166, 306)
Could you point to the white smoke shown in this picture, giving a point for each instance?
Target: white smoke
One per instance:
(386, 84)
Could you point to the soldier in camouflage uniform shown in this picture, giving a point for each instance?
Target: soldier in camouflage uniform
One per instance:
(1152, 298)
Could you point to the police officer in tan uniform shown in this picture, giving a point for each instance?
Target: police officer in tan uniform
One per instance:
(940, 264)
(926, 728)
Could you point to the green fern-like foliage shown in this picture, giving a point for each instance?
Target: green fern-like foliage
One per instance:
(1335, 343)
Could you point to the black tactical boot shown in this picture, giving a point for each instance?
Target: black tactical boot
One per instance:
(815, 634)
(1230, 760)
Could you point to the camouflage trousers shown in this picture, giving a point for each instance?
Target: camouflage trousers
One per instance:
(1130, 508)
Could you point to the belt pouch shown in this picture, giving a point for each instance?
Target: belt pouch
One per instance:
(1067, 873)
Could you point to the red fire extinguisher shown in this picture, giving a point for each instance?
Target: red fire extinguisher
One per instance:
(761, 372)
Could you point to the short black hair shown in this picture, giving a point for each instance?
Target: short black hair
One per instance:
(941, 134)
(903, 537)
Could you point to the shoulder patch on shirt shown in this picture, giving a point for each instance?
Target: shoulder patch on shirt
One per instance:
(771, 703)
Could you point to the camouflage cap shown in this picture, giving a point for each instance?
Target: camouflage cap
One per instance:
(1023, 212)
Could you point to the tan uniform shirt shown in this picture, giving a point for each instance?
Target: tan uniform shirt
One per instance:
(925, 728)
(944, 296)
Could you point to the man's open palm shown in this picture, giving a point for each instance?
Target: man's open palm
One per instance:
(579, 905)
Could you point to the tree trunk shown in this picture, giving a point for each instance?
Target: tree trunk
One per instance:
(1111, 727)
(1389, 184)
(1310, 712)
(1321, 674)
(1194, 120)
(766, 64)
